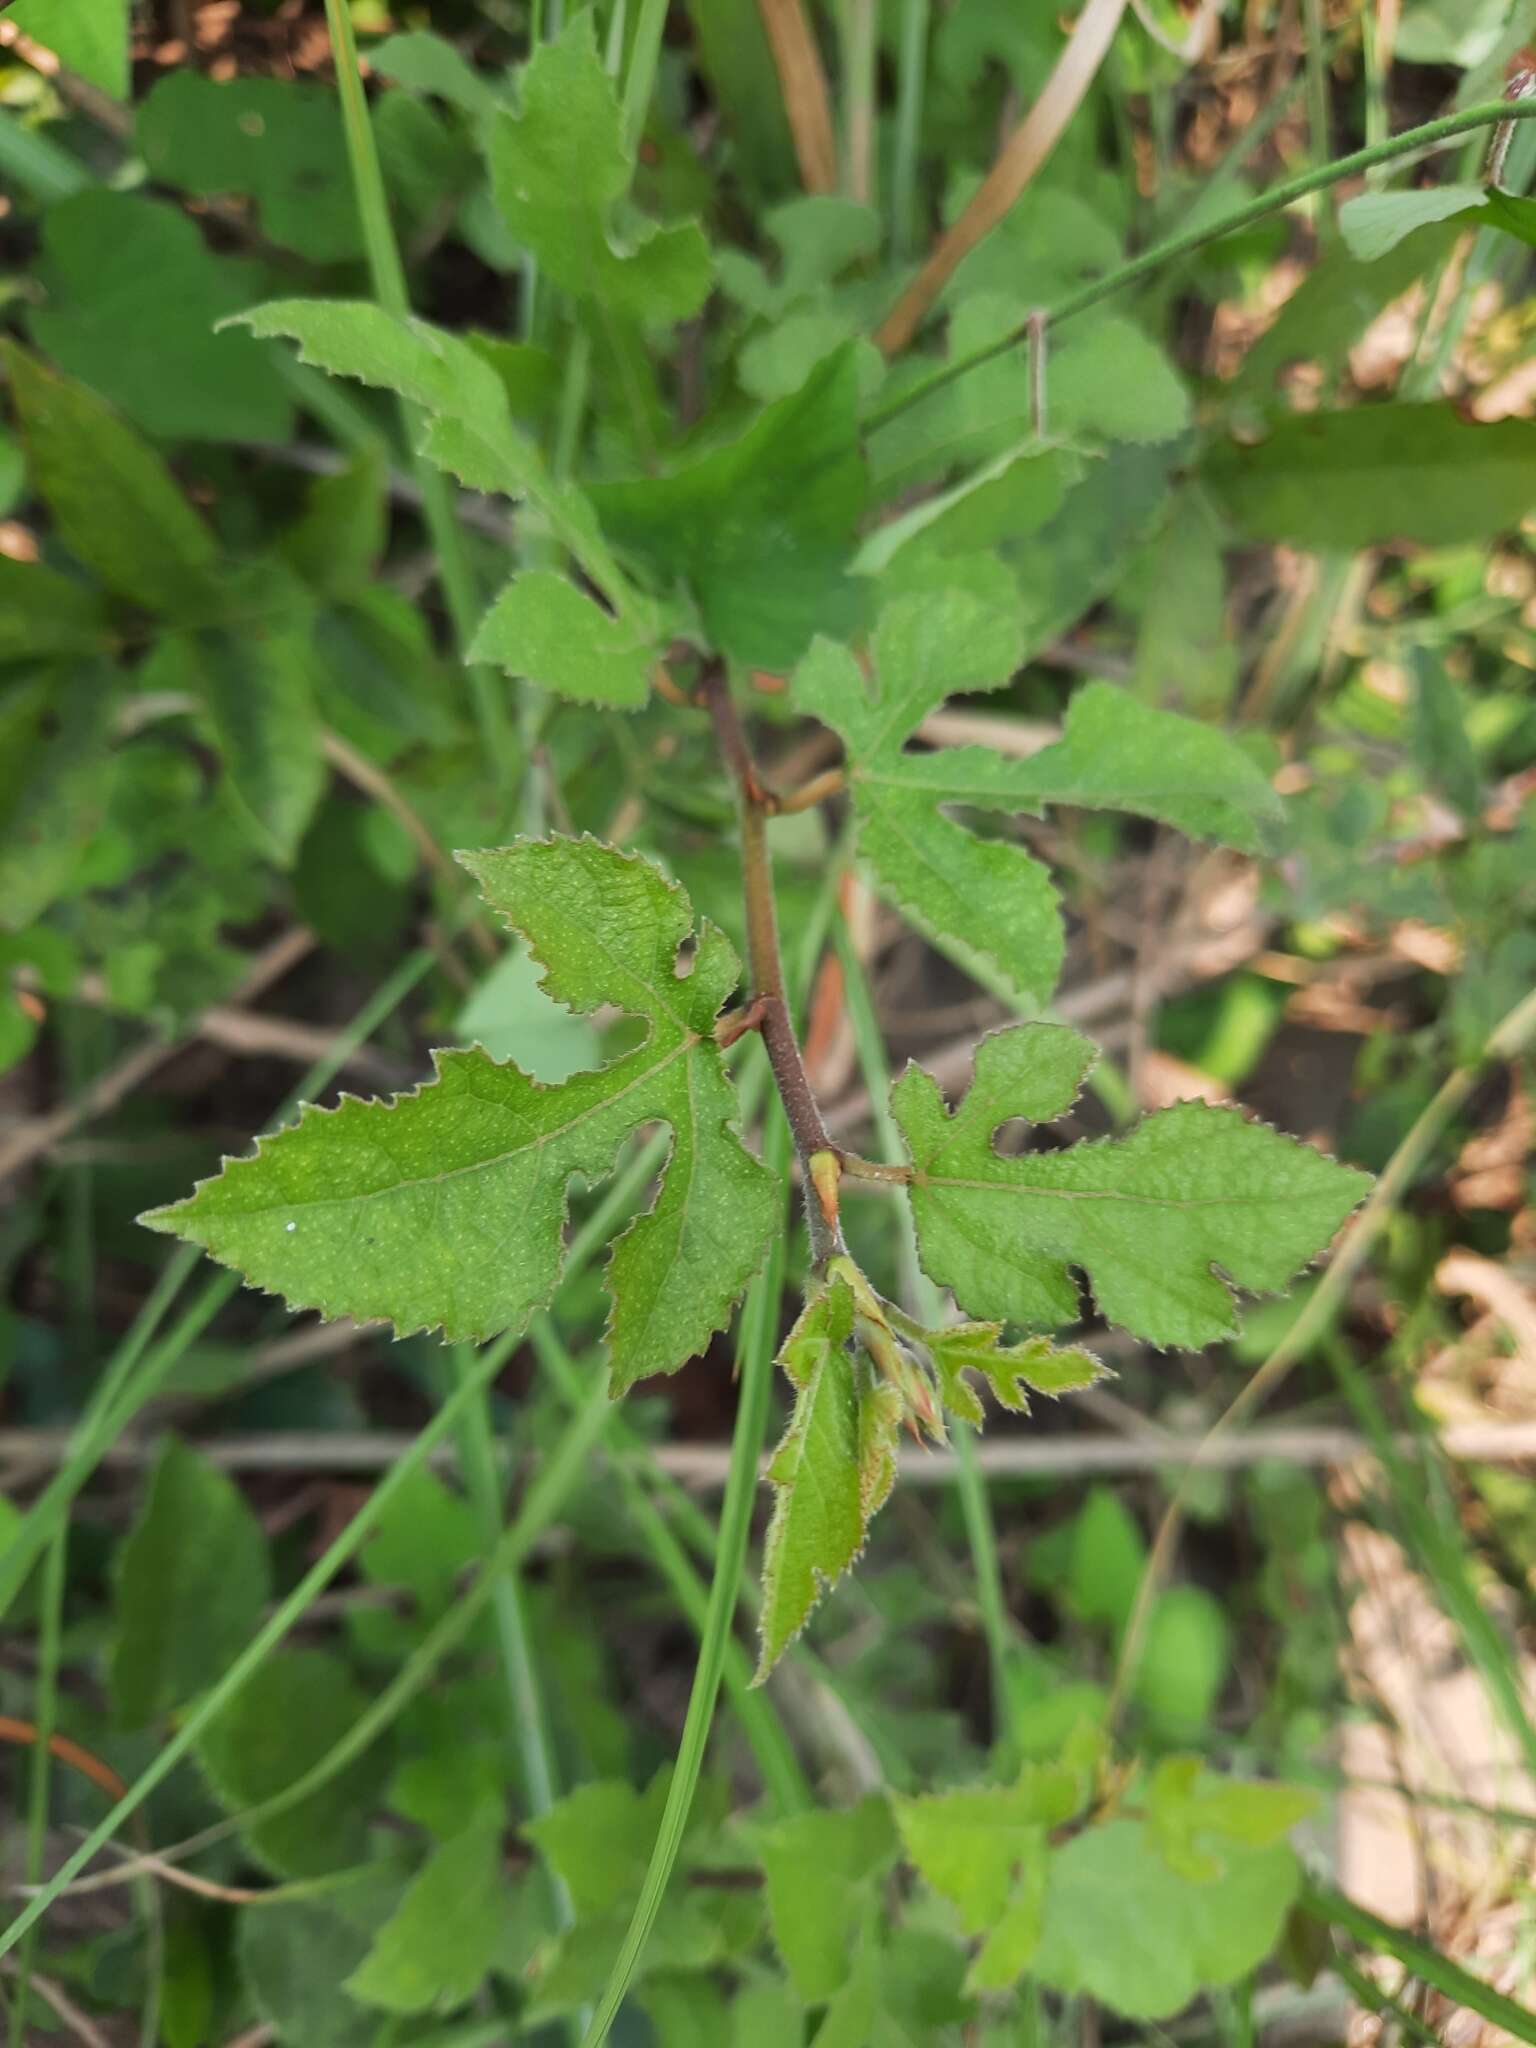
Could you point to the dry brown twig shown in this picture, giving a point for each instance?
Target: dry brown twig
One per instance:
(803, 83)
(1026, 149)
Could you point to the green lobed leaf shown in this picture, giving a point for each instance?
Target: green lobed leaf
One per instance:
(987, 901)
(1379, 473)
(446, 1207)
(760, 529)
(559, 168)
(189, 1586)
(469, 427)
(970, 1845)
(1012, 1371)
(114, 503)
(1166, 1222)
(278, 140)
(437, 1948)
(821, 1870)
(545, 630)
(819, 1519)
(133, 297)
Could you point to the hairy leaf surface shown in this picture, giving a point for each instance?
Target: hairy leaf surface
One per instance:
(988, 901)
(1160, 1220)
(445, 1208)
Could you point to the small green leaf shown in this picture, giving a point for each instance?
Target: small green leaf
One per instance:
(469, 429)
(294, 1959)
(115, 505)
(1379, 473)
(1374, 223)
(429, 63)
(190, 1583)
(1166, 1221)
(133, 297)
(446, 1207)
(337, 543)
(819, 1522)
(598, 1839)
(761, 529)
(436, 1949)
(545, 630)
(43, 613)
(289, 1714)
(822, 1869)
(1112, 382)
(1012, 1371)
(559, 169)
(1184, 1662)
(89, 36)
(57, 769)
(278, 140)
(1105, 1562)
(970, 1845)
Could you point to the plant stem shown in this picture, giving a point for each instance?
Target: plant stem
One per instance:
(755, 1350)
(912, 73)
(975, 1507)
(45, 1701)
(640, 78)
(389, 288)
(1489, 115)
(801, 1109)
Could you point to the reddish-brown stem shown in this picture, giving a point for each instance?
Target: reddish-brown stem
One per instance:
(769, 999)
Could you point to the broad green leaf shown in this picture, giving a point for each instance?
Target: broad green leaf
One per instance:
(1512, 212)
(559, 170)
(598, 1839)
(1014, 1936)
(1184, 1662)
(1012, 1371)
(252, 669)
(1008, 498)
(761, 528)
(57, 768)
(1375, 222)
(114, 503)
(1379, 473)
(765, 2014)
(511, 1016)
(1460, 32)
(1112, 382)
(469, 427)
(987, 901)
(277, 140)
(89, 36)
(1078, 557)
(1195, 1816)
(1121, 1925)
(424, 1540)
(819, 1523)
(296, 1707)
(190, 1583)
(446, 1207)
(1186, 656)
(1166, 1222)
(431, 64)
(43, 613)
(821, 1871)
(545, 630)
(294, 1958)
(970, 1845)
(685, 2010)
(338, 541)
(436, 1949)
(133, 297)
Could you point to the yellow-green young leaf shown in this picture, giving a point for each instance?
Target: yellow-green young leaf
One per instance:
(1195, 1816)
(1012, 1371)
(821, 1871)
(559, 167)
(970, 1845)
(469, 426)
(987, 901)
(545, 630)
(190, 1583)
(445, 1208)
(819, 1522)
(114, 503)
(1166, 1222)
(296, 1707)
(435, 1950)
